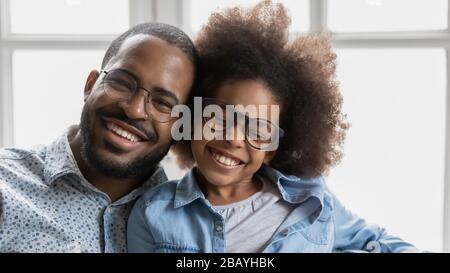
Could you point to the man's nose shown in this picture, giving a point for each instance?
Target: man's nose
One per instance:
(135, 107)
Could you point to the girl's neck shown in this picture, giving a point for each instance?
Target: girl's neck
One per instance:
(224, 195)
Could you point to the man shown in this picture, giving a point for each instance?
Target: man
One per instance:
(75, 194)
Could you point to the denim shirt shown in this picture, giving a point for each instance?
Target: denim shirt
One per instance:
(176, 217)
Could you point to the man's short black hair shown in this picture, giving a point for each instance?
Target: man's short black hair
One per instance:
(168, 33)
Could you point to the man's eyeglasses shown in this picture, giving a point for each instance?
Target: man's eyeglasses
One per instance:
(121, 85)
(260, 134)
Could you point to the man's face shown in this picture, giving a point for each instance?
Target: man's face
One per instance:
(120, 138)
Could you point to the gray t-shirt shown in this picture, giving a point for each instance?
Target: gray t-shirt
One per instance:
(251, 223)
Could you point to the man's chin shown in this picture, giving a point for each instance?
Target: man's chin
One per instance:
(111, 161)
(107, 164)
(115, 164)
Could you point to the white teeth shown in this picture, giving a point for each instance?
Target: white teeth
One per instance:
(119, 131)
(225, 160)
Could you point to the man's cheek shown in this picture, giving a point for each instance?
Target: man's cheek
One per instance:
(94, 98)
(164, 133)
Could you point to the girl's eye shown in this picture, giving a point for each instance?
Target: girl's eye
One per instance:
(259, 136)
(218, 123)
(255, 135)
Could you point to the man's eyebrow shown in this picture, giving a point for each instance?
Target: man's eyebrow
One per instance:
(165, 92)
(129, 73)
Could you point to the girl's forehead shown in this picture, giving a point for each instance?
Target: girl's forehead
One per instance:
(245, 92)
(251, 98)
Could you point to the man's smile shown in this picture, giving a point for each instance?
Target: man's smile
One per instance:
(121, 132)
(122, 135)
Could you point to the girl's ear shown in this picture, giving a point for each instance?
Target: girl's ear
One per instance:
(269, 156)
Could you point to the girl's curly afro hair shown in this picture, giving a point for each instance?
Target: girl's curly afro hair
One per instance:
(241, 44)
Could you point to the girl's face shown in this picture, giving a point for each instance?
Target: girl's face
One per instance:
(225, 162)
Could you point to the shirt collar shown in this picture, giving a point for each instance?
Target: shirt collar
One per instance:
(187, 190)
(156, 178)
(297, 190)
(59, 159)
(293, 189)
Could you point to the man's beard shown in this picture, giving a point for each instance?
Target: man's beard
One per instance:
(140, 166)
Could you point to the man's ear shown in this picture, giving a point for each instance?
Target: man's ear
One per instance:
(90, 81)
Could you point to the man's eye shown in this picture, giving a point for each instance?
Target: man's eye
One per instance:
(119, 85)
(162, 104)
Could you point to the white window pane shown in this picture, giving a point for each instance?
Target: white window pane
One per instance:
(393, 170)
(48, 92)
(387, 15)
(69, 16)
(200, 10)
(170, 165)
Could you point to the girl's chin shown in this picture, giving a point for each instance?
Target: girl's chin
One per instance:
(218, 179)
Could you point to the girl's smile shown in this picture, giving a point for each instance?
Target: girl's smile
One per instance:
(224, 159)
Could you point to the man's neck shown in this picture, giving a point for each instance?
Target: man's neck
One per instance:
(115, 188)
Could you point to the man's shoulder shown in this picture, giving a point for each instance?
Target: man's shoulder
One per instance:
(16, 153)
(15, 159)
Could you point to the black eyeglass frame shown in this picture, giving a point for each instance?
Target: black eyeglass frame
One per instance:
(212, 101)
(148, 98)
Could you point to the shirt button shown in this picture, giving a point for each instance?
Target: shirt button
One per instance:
(74, 247)
(284, 232)
(218, 227)
(109, 210)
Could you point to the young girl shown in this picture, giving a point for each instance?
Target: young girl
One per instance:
(242, 196)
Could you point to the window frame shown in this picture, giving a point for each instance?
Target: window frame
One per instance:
(140, 11)
(176, 12)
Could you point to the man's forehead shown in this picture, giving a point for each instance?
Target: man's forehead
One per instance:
(135, 44)
(170, 67)
(140, 50)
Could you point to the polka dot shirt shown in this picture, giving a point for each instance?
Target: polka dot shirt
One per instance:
(46, 205)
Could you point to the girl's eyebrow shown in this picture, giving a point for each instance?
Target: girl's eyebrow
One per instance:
(238, 113)
(224, 103)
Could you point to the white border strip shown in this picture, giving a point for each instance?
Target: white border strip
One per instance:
(446, 226)
(6, 96)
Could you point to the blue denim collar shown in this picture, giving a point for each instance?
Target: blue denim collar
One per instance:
(296, 190)
(293, 189)
(187, 190)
